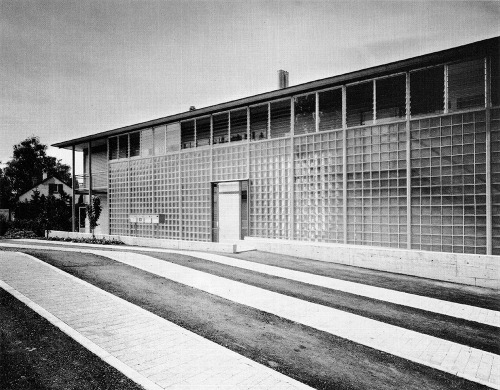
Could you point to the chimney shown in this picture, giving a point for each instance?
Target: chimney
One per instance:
(282, 79)
(44, 175)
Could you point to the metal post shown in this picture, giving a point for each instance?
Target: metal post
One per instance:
(489, 208)
(291, 180)
(73, 185)
(408, 165)
(344, 161)
(90, 170)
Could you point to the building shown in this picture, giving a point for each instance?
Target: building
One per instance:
(48, 186)
(402, 155)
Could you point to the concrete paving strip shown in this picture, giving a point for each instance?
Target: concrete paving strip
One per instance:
(457, 310)
(152, 351)
(466, 362)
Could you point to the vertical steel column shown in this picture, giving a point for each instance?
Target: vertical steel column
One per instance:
(90, 171)
(344, 160)
(181, 234)
(108, 179)
(408, 164)
(446, 98)
(489, 208)
(291, 217)
(316, 110)
(211, 178)
(73, 184)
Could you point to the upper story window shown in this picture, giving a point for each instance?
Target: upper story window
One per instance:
(280, 118)
(238, 125)
(123, 146)
(55, 189)
(259, 122)
(359, 110)
(159, 140)
(305, 114)
(220, 123)
(427, 91)
(330, 109)
(203, 131)
(147, 143)
(187, 134)
(113, 148)
(390, 98)
(466, 85)
(135, 144)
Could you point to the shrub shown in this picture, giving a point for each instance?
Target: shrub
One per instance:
(88, 240)
(19, 233)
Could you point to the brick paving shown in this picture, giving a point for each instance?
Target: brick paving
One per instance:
(470, 363)
(452, 309)
(464, 361)
(149, 349)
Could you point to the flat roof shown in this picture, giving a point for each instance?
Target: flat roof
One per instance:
(479, 48)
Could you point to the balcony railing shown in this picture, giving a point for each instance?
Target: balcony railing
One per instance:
(99, 181)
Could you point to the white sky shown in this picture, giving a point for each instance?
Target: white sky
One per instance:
(77, 67)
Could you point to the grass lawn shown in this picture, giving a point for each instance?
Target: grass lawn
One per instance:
(317, 358)
(34, 354)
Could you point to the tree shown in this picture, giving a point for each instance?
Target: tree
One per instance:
(28, 164)
(93, 213)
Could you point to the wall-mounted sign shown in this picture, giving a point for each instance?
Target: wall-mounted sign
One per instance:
(147, 218)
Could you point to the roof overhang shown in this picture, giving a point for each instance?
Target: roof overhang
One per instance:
(480, 48)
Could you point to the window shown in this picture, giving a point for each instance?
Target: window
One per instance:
(203, 131)
(173, 137)
(305, 114)
(220, 128)
(113, 148)
(466, 85)
(280, 118)
(391, 98)
(495, 80)
(359, 104)
(159, 140)
(135, 144)
(187, 134)
(146, 142)
(238, 126)
(123, 146)
(330, 109)
(427, 91)
(259, 122)
(55, 189)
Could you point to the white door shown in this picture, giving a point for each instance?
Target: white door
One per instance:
(229, 211)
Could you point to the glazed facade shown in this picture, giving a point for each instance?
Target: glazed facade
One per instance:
(407, 157)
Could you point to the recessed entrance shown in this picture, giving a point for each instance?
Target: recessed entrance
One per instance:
(229, 211)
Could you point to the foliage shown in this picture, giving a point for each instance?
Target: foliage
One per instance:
(19, 233)
(88, 240)
(43, 213)
(25, 169)
(3, 225)
(94, 209)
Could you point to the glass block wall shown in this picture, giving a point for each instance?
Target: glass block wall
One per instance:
(166, 196)
(270, 189)
(448, 178)
(195, 195)
(118, 198)
(289, 152)
(141, 195)
(376, 185)
(318, 187)
(495, 179)
(230, 163)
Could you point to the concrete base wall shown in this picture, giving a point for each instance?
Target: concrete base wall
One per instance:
(474, 270)
(155, 242)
